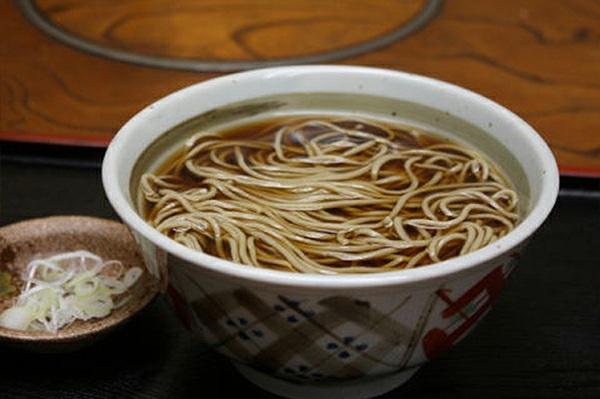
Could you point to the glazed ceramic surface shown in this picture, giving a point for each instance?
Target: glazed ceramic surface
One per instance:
(294, 333)
(331, 336)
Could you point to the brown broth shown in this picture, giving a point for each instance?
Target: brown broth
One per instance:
(264, 131)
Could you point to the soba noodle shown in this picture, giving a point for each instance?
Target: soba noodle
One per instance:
(330, 196)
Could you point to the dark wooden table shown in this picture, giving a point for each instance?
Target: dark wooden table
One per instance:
(541, 340)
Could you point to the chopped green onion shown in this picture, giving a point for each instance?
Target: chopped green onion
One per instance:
(66, 287)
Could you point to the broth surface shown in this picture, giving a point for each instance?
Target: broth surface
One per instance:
(321, 194)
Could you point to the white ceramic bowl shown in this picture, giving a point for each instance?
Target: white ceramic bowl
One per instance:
(350, 336)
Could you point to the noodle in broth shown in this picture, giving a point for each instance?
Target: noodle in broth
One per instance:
(324, 195)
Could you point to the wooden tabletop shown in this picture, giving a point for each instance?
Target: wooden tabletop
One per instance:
(74, 71)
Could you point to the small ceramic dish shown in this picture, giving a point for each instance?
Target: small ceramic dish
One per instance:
(21, 242)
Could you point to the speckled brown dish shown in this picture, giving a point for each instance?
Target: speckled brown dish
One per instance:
(22, 241)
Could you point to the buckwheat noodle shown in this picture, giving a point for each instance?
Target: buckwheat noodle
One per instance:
(330, 196)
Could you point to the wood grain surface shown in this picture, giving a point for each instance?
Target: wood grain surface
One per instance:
(229, 29)
(539, 58)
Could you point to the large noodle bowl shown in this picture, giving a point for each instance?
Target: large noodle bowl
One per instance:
(327, 195)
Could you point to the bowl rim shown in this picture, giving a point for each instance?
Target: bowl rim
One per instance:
(532, 221)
